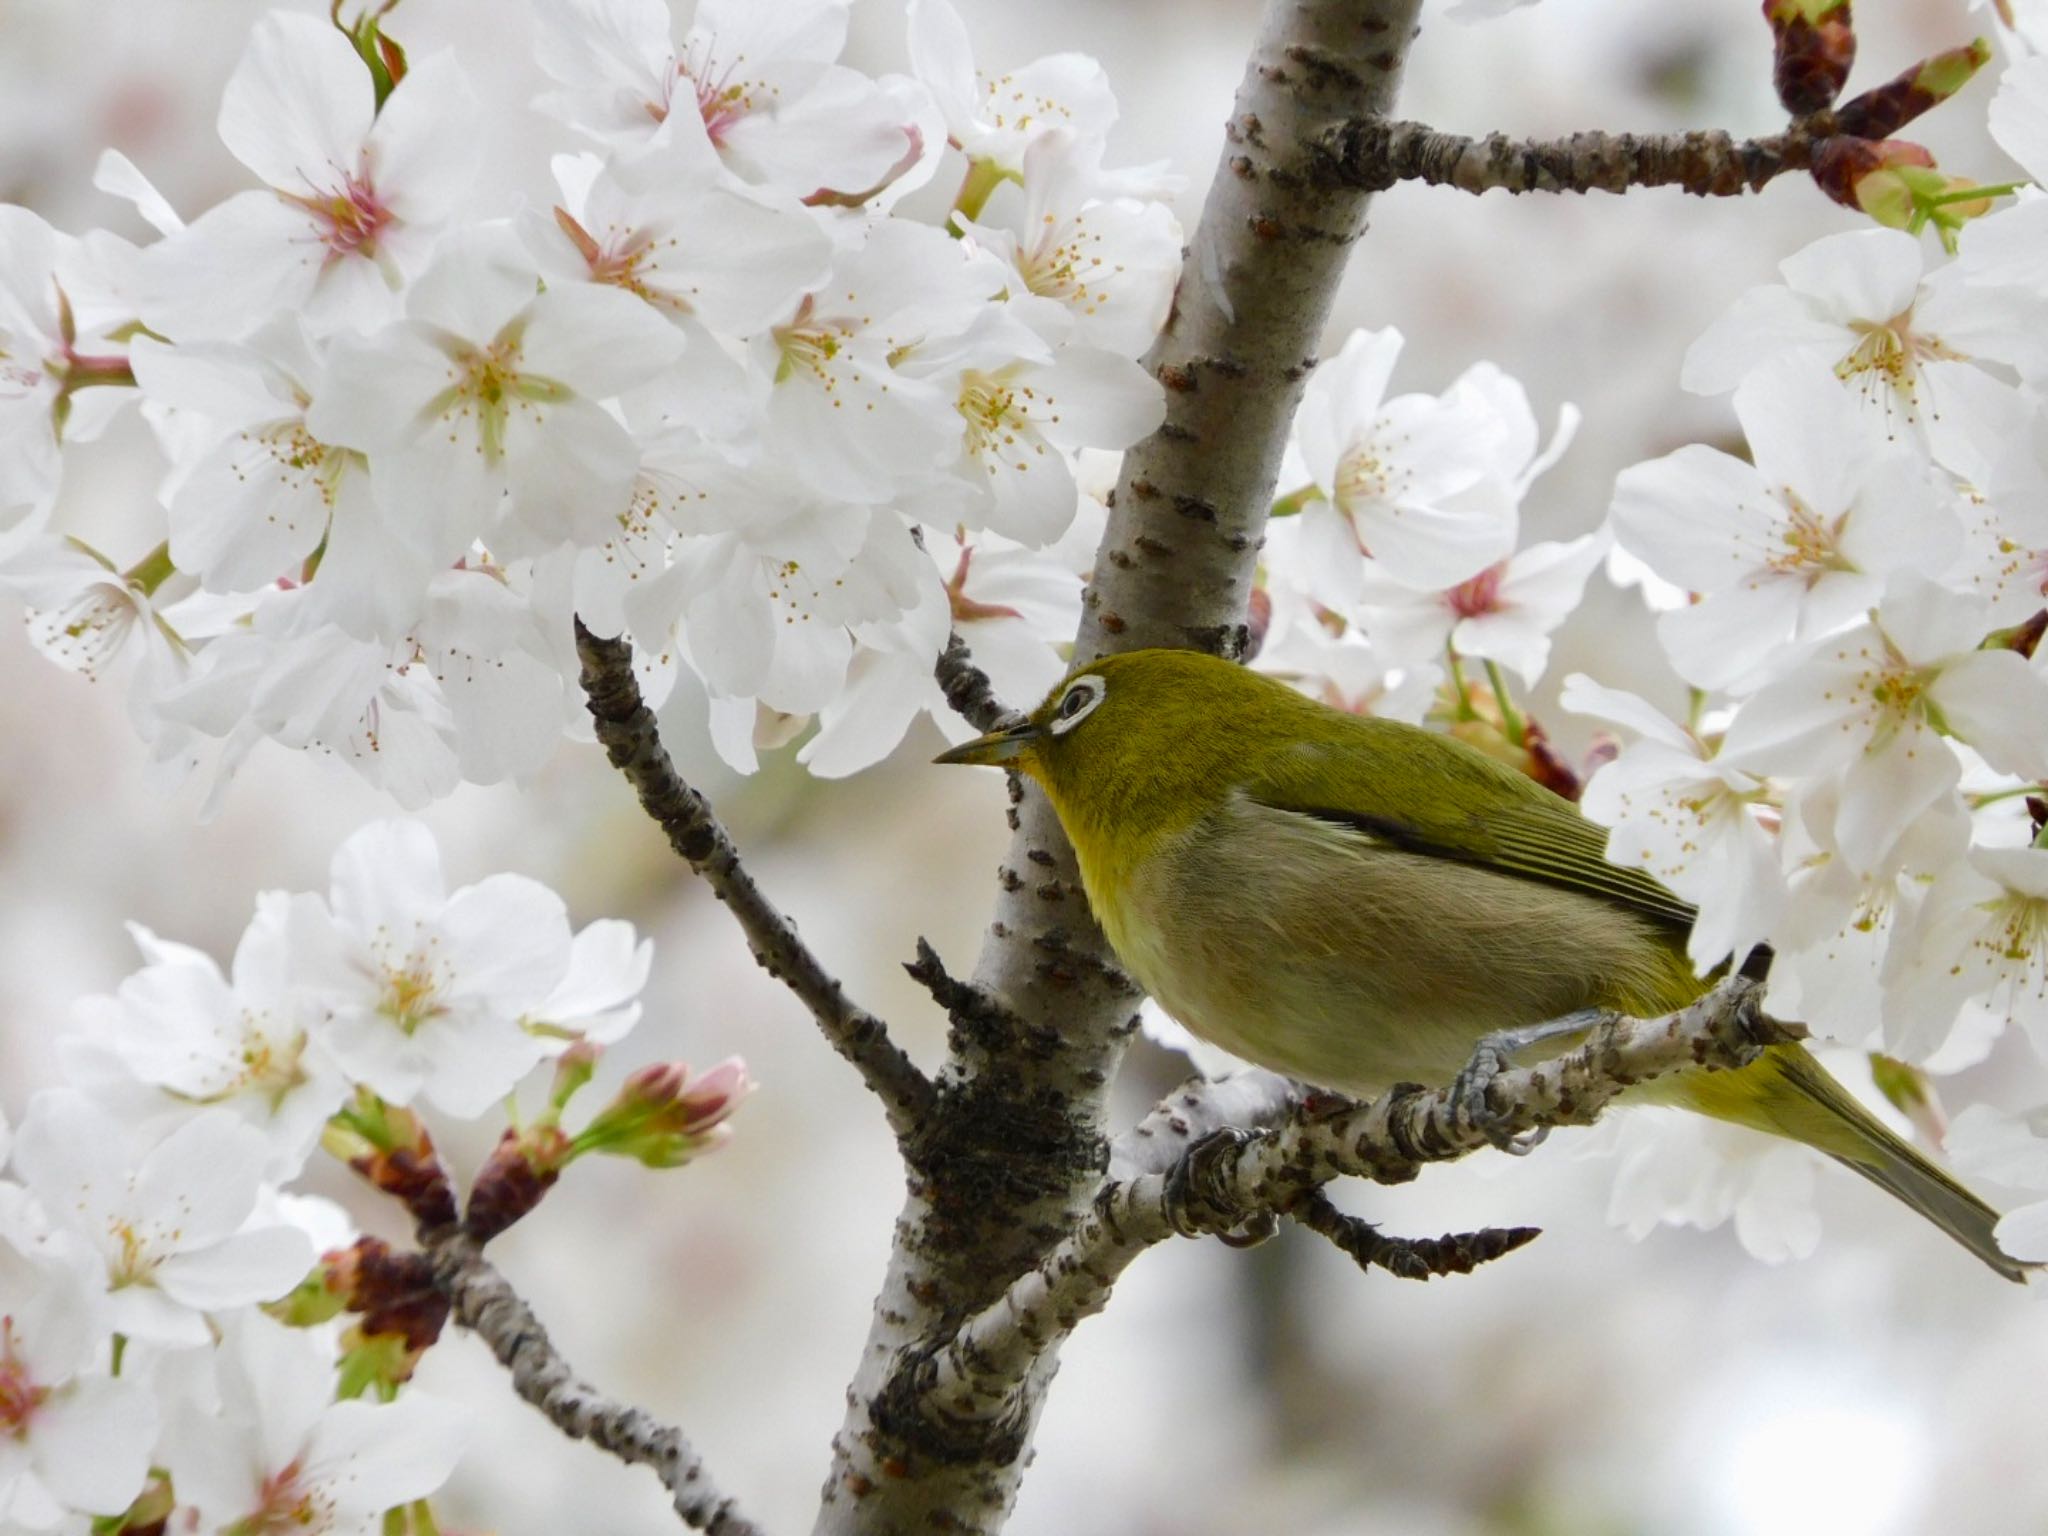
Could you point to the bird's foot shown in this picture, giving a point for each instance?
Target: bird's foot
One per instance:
(1492, 1056)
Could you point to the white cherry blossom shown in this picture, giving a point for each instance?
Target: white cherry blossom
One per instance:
(1790, 547)
(1902, 346)
(849, 420)
(423, 989)
(1025, 406)
(997, 118)
(354, 196)
(197, 1038)
(1679, 1170)
(1095, 258)
(757, 84)
(491, 389)
(1676, 813)
(32, 348)
(73, 1439)
(170, 1222)
(598, 996)
(662, 224)
(1505, 613)
(275, 1451)
(1868, 709)
(1407, 480)
(1979, 944)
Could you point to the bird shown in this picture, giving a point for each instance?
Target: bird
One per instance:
(1356, 902)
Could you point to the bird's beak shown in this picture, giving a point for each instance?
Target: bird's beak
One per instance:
(994, 749)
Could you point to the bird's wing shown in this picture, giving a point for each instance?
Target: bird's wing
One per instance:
(1427, 793)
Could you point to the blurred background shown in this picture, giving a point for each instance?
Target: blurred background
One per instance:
(1589, 1384)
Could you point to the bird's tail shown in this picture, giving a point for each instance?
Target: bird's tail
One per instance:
(1787, 1093)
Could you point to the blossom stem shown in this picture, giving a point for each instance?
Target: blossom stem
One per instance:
(1459, 687)
(1510, 717)
(1296, 501)
(982, 178)
(152, 570)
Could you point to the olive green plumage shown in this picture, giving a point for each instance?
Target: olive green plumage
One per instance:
(1354, 901)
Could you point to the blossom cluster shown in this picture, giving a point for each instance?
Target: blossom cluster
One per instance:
(171, 1341)
(721, 394)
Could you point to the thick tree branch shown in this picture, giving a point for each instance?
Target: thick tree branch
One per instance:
(1018, 1144)
(632, 742)
(1372, 154)
(1235, 1176)
(485, 1303)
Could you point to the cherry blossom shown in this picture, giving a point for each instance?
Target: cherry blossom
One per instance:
(354, 195)
(1505, 613)
(178, 1026)
(168, 1221)
(1676, 813)
(279, 1453)
(757, 84)
(1688, 1171)
(1980, 941)
(1790, 547)
(489, 389)
(422, 990)
(73, 1439)
(1093, 261)
(1903, 346)
(1869, 708)
(851, 422)
(998, 118)
(31, 375)
(661, 224)
(1406, 480)
(1025, 406)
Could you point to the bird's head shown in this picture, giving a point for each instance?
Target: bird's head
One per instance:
(1143, 738)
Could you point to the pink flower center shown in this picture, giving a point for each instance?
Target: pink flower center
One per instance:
(19, 1394)
(286, 1509)
(1480, 594)
(721, 100)
(350, 215)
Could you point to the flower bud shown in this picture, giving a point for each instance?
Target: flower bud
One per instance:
(663, 1117)
(1883, 110)
(521, 1168)
(1815, 47)
(389, 1146)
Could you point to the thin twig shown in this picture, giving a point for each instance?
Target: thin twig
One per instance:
(1410, 1258)
(968, 690)
(1234, 1176)
(1372, 154)
(486, 1304)
(627, 728)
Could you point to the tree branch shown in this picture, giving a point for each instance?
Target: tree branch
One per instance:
(968, 691)
(485, 1303)
(633, 743)
(1372, 154)
(1249, 1100)
(1235, 1176)
(1455, 1253)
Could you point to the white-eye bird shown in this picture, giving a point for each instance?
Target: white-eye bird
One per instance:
(1356, 902)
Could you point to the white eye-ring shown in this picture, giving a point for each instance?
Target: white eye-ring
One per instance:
(1077, 703)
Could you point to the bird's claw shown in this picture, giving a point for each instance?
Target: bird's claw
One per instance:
(1469, 1102)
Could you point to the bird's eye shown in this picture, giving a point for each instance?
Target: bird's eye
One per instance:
(1081, 697)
